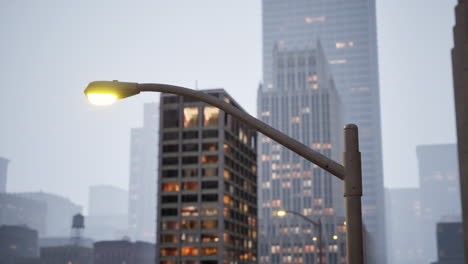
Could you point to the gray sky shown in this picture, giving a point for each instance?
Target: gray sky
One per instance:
(51, 49)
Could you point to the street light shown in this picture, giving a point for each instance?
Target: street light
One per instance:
(349, 172)
(317, 224)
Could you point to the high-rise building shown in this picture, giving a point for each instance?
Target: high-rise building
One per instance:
(347, 31)
(59, 212)
(107, 213)
(439, 184)
(143, 167)
(122, 251)
(307, 109)
(450, 243)
(3, 174)
(207, 189)
(404, 232)
(16, 210)
(17, 242)
(460, 83)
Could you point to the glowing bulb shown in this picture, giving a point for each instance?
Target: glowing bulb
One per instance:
(281, 213)
(335, 237)
(314, 238)
(101, 99)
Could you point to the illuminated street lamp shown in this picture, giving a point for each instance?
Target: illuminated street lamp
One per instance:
(106, 92)
(317, 224)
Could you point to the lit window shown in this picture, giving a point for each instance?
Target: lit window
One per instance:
(342, 61)
(266, 113)
(227, 199)
(351, 44)
(286, 184)
(170, 187)
(190, 117)
(189, 251)
(189, 211)
(168, 238)
(266, 185)
(210, 224)
(208, 251)
(205, 159)
(340, 45)
(210, 116)
(276, 249)
(189, 224)
(209, 211)
(206, 238)
(227, 175)
(169, 225)
(190, 186)
(168, 252)
(276, 203)
(310, 20)
(295, 120)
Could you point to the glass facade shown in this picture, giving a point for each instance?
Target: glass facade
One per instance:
(207, 203)
(347, 32)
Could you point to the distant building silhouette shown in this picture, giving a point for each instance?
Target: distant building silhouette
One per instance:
(449, 243)
(107, 252)
(59, 212)
(66, 255)
(439, 185)
(348, 32)
(107, 208)
(17, 242)
(460, 81)
(404, 230)
(3, 174)
(143, 169)
(308, 110)
(17, 210)
(207, 200)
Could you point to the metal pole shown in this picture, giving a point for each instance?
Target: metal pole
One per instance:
(320, 240)
(353, 194)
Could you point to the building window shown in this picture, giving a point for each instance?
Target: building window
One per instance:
(189, 251)
(210, 224)
(190, 117)
(170, 187)
(169, 225)
(210, 197)
(210, 172)
(209, 159)
(210, 134)
(168, 238)
(210, 146)
(192, 186)
(190, 135)
(209, 238)
(170, 99)
(210, 116)
(170, 148)
(209, 211)
(189, 160)
(164, 252)
(169, 199)
(189, 211)
(169, 212)
(169, 173)
(189, 172)
(171, 118)
(210, 185)
(189, 238)
(170, 136)
(209, 251)
(189, 224)
(168, 262)
(190, 198)
(170, 161)
(190, 147)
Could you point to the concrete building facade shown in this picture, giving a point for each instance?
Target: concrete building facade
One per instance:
(207, 192)
(305, 105)
(143, 170)
(347, 30)
(109, 252)
(460, 83)
(440, 194)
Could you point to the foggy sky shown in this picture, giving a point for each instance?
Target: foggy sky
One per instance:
(50, 49)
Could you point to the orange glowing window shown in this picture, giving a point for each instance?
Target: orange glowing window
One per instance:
(170, 187)
(227, 199)
(168, 252)
(190, 117)
(209, 251)
(169, 238)
(210, 116)
(189, 251)
(206, 238)
(209, 211)
(209, 159)
(210, 224)
(227, 175)
(189, 224)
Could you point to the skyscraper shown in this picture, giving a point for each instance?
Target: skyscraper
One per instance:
(440, 195)
(143, 166)
(207, 196)
(3, 174)
(304, 105)
(347, 31)
(460, 84)
(404, 231)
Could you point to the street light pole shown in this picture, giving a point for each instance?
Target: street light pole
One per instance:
(350, 173)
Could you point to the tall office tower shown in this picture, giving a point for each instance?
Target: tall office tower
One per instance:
(304, 104)
(347, 30)
(207, 202)
(143, 167)
(450, 243)
(460, 83)
(404, 232)
(107, 213)
(59, 212)
(440, 196)
(3, 174)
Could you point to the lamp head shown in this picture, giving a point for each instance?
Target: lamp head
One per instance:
(281, 213)
(107, 92)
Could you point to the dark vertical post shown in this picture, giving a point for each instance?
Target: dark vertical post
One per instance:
(353, 194)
